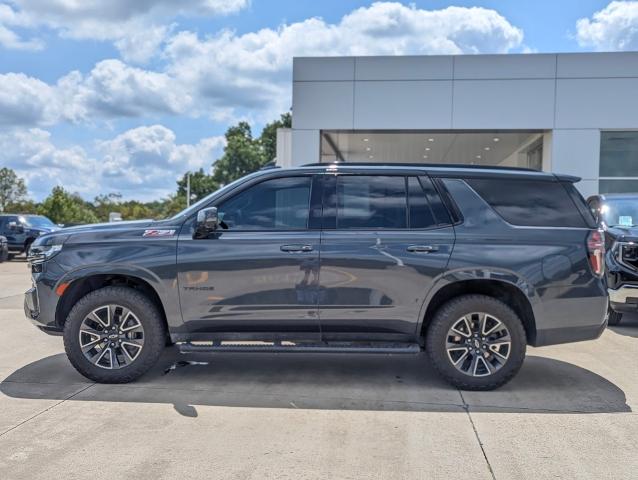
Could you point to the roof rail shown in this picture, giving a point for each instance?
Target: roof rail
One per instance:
(422, 165)
(270, 165)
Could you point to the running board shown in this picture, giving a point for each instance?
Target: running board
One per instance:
(298, 347)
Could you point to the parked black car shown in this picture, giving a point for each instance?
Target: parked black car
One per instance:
(618, 215)
(22, 230)
(471, 264)
(4, 249)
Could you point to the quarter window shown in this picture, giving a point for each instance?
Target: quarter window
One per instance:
(535, 203)
(277, 204)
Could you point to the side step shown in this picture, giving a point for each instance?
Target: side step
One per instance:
(298, 347)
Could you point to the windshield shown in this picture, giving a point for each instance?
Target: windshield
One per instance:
(620, 212)
(39, 222)
(200, 203)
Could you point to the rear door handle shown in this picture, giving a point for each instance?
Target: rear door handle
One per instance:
(296, 248)
(422, 248)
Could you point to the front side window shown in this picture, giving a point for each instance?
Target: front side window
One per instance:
(365, 201)
(277, 204)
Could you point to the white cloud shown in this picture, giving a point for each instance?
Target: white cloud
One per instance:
(27, 101)
(137, 27)
(145, 162)
(253, 70)
(43, 165)
(229, 76)
(111, 90)
(142, 163)
(615, 27)
(114, 89)
(8, 37)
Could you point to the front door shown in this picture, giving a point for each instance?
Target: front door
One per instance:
(257, 277)
(385, 239)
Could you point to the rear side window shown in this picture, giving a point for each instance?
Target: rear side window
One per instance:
(529, 202)
(421, 215)
(371, 202)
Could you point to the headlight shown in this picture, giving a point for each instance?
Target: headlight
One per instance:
(46, 247)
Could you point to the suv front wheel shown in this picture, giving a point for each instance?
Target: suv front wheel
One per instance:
(476, 342)
(114, 335)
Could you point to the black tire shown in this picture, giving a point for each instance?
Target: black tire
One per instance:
(146, 312)
(448, 315)
(613, 318)
(10, 256)
(27, 247)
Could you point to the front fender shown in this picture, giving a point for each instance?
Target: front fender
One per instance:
(165, 288)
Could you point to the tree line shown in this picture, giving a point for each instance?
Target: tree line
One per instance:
(242, 154)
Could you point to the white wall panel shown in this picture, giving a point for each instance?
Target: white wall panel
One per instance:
(504, 66)
(322, 105)
(507, 104)
(403, 105)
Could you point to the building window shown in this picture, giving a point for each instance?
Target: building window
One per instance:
(618, 162)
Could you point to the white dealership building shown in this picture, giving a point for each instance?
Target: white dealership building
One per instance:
(574, 113)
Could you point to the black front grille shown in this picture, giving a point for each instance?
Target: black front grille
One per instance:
(629, 252)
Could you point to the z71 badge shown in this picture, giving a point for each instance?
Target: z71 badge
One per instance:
(158, 233)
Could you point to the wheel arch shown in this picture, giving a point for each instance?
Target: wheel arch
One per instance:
(80, 284)
(507, 292)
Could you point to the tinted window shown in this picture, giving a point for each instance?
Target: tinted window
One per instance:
(371, 202)
(438, 209)
(278, 204)
(421, 215)
(530, 202)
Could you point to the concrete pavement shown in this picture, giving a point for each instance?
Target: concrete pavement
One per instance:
(569, 414)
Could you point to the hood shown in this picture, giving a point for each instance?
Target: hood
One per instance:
(44, 229)
(623, 234)
(107, 226)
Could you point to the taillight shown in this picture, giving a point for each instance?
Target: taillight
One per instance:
(596, 249)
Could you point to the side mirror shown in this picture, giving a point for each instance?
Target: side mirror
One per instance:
(206, 223)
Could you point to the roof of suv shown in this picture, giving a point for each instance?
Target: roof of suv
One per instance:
(446, 169)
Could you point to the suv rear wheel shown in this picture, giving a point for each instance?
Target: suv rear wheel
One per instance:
(114, 335)
(476, 342)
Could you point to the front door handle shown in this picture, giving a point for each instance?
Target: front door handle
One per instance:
(296, 248)
(422, 248)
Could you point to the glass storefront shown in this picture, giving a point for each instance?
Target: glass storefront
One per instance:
(493, 148)
(618, 162)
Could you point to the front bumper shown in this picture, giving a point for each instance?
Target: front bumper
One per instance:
(624, 298)
(41, 301)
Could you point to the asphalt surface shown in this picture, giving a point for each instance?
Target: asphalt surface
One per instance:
(570, 413)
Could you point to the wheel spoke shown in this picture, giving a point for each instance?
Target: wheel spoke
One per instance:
(109, 347)
(478, 344)
(464, 324)
(131, 349)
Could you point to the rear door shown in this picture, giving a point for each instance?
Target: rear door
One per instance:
(384, 240)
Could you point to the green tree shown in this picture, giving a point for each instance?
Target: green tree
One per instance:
(12, 188)
(63, 207)
(268, 137)
(201, 184)
(242, 155)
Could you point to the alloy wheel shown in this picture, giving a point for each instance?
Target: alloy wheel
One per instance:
(478, 344)
(111, 337)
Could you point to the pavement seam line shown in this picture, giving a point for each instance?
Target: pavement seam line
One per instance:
(46, 410)
(466, 407)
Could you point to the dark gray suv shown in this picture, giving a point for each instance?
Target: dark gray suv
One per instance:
(470, 264)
